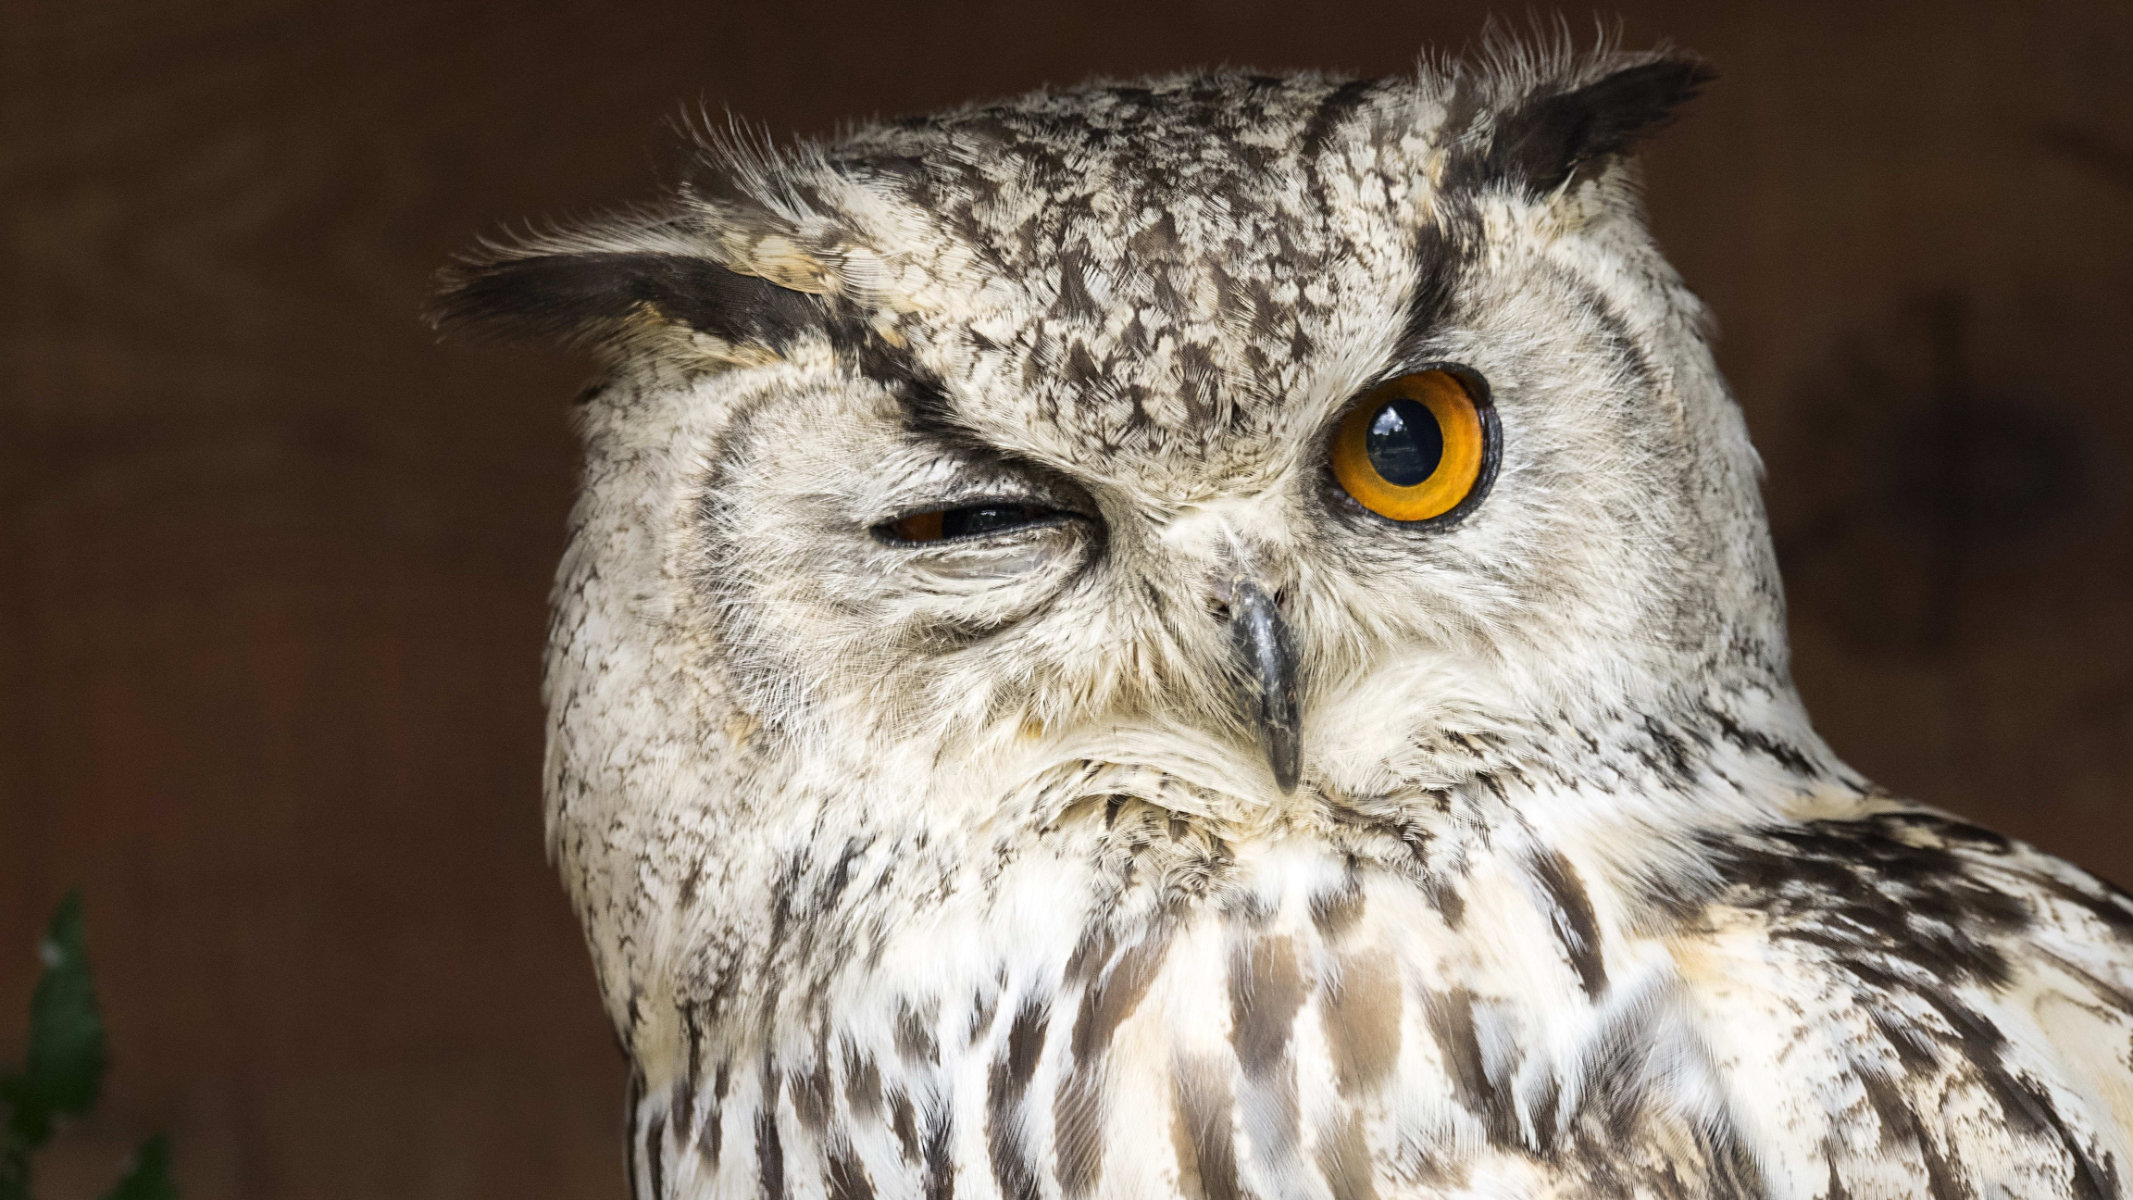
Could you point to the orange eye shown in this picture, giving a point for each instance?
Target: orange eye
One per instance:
(1414, 448)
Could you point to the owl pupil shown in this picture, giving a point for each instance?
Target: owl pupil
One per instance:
(1405, 443)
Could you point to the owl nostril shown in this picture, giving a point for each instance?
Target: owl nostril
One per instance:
(1219, 606)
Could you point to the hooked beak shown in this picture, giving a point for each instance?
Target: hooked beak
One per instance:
(1269, 672)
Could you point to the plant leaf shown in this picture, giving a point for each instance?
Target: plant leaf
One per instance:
(150, 1177)
(64, 1066)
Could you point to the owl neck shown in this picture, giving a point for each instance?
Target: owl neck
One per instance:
(843, 864)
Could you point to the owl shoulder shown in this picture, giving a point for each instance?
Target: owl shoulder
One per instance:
(1922, 1005)
(1921, 895)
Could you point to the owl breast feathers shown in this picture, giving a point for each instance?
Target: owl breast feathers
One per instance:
(1216, 637)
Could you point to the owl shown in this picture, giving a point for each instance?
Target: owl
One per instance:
(1216, 637)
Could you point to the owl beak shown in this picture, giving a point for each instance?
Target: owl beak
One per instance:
(1269, 661)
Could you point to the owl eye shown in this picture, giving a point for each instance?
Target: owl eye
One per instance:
(970, 521)
(1416, 447)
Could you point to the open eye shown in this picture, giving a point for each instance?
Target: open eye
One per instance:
(1416, 447)
(970, 521)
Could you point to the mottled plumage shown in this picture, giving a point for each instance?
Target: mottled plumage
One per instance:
(964, 868)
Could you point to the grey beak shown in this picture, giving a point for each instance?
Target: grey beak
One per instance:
(1269, 662)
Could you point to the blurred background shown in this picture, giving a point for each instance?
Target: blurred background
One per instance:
(273, 562)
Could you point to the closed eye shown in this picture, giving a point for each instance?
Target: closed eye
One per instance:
(985, 519)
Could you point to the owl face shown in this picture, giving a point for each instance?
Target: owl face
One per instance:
(986, 556)
(1255, 431)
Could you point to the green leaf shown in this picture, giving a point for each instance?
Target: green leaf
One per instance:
(150, 1177)
(64, 1066)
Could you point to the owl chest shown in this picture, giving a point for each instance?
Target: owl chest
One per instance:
(1313, 1031)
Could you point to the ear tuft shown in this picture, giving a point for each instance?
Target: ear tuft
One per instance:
(1547, 139)
(596, 297)
(731, 267)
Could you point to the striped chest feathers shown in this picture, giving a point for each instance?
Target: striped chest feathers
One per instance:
(1311, 1025)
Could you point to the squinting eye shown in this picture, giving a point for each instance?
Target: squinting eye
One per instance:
(976, 520)
(1414, 448)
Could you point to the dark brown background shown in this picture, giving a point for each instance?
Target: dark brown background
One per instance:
(272, 563)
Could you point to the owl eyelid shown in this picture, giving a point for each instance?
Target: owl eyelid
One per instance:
(1475, 383)
(1469, 377)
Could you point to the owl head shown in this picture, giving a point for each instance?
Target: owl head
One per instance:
(1255, 446)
